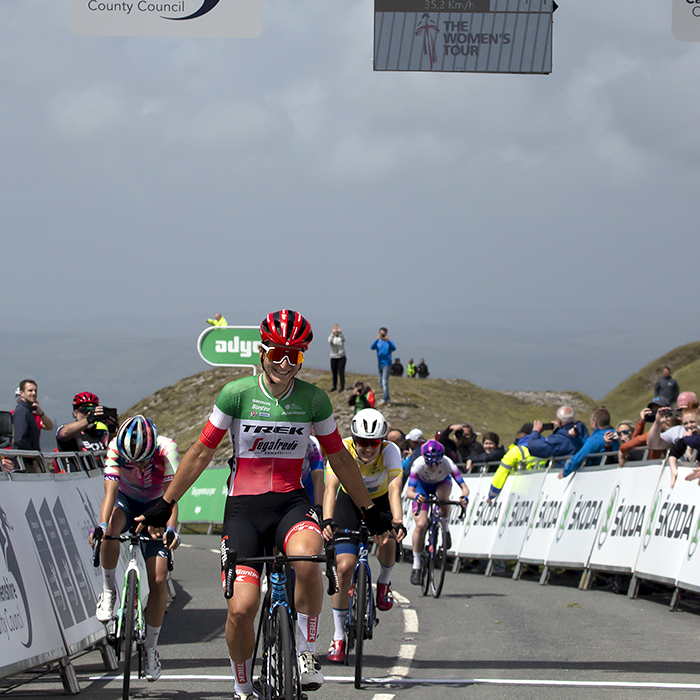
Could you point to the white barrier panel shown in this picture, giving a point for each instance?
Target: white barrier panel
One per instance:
(481, 524)
(29, 633)
(520, 505)
(689, 575)
(669, 530)
(59, 519)
(625, 517)
(582, 516)
(457, 527)
(543, 524)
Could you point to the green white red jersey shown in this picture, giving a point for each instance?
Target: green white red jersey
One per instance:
(269, 435)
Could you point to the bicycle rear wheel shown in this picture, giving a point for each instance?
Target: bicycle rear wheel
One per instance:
(438, 560)
(281, 664)
(128, 629)
(358, 617)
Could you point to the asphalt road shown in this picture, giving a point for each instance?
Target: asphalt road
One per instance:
(490, 638)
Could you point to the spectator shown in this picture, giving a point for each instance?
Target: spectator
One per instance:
(338, 357)
(422, 369)
(26, 431)
(48, 425)
(414, 441)
(464, 446)
(667, 386)
(411, 368)
(218, 320)
(362, 397)
(623, 431)
(28, 394)
(517, 457)
(686, 448)
(384, 348)
(396, 436)
(493, 452)
(396, 368)
(91, 430)
(567, 438)
(660, 439)
(638, 439)
(600, 424)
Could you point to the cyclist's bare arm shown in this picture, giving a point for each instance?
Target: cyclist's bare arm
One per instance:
(110, 498)
(332, 485)
(394, 491)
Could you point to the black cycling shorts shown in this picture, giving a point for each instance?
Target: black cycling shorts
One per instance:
(347, 516)
(255, 524)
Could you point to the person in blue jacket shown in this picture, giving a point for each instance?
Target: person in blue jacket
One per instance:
(568, 436)
(384, 348)
(600, 424)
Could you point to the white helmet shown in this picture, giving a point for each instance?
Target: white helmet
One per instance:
(369, 423)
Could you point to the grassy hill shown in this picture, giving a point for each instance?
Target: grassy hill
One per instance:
(628, 398)
(181, 410)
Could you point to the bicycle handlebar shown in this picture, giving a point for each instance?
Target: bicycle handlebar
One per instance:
(230, 559)
(431, 499)
(169, 537)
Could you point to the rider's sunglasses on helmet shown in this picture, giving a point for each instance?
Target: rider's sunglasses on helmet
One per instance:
(367, 442)
(293, 355)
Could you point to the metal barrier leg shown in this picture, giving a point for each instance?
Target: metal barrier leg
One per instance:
(675, 600)
(634, 587)
(68, 677)
(544, 576)
(518, 571)
(586, 580)
(456, 563)
(109, 658)
(489, 567)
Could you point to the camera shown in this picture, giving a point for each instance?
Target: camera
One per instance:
(651, 417)
(459, 434)
(547, 426)
(108, 415)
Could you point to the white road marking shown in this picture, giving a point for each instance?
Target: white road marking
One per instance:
(406, 654)
(410, 621)
(446, 681)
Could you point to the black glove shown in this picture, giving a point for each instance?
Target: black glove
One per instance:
(328, 522)
(399, 528)
(377, 522)
(319, 512)
(97, 533)
(159, 513)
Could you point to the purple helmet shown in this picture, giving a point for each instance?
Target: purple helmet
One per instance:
(432, 452)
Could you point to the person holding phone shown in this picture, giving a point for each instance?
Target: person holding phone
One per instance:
(566, 439)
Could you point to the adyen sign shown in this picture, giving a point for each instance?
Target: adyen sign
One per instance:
(230, 346)
(175, 18)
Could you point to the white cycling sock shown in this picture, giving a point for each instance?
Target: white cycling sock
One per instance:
(340, 617)
(242, 677)
(308, 631)
(416, 560)
(152, 636)
(109, 579)
(384, 573)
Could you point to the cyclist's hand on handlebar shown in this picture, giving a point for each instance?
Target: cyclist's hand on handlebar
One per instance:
(97, 533)
(377, 522)
(400, 531)
(420, 498)
(156, 518)
(171, 541)
(328, 529)
(464, 501)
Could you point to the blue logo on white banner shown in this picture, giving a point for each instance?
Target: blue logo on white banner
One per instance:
(181, 18)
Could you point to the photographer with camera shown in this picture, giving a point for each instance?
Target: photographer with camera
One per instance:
(660, 437)
(639, 437)
(463, 445)
(568, 436)
(94, 426)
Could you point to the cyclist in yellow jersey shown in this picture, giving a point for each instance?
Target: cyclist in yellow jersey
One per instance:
(380, 465)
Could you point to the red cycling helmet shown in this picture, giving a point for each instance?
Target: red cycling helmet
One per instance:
(288, 328)
(85, 397)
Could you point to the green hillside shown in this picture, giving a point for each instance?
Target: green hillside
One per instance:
(181, 410)
(628, 398)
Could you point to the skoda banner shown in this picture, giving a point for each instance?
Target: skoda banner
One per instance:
(625, 517)
(230, 346)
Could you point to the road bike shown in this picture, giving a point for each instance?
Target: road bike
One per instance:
(362, 618)
(279, 678)
(127, 633)
(434, 556)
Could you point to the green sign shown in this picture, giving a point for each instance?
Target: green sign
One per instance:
(230, 346)
(204, 501)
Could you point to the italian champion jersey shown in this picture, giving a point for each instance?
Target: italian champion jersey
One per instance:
(269, 435)
(377, 474)
(143, 483)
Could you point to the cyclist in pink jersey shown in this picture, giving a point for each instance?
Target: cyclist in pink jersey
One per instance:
(139, 465)
(268, 419)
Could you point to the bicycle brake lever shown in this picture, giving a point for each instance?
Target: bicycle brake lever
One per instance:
(331, 571)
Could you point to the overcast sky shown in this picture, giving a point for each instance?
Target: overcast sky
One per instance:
(149, 183)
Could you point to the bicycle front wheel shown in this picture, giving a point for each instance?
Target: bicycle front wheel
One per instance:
(360, 602)
(426, 560)
(128, 629)
(438, 561)
(281, 672)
